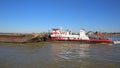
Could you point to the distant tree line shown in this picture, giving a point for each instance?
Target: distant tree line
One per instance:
(112, 33)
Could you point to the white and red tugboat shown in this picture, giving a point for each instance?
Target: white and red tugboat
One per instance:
(58, 35)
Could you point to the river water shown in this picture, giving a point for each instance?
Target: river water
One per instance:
(60, 55)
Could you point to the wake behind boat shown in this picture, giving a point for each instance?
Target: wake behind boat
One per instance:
(58, 35)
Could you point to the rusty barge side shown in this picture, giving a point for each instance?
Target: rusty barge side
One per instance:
(22, 38)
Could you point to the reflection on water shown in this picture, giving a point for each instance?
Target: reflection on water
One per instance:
(71, 51)
(103, 52)
(59, 55)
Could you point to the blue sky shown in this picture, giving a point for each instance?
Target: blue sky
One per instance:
(27, 16)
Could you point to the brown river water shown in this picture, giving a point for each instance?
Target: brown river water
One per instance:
(59, 55)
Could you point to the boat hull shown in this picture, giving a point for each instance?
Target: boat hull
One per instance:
(101, 41)
(84, 40)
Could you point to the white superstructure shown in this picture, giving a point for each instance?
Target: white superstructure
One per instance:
(57, 34)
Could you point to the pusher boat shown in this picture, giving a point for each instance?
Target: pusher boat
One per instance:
(58, 35)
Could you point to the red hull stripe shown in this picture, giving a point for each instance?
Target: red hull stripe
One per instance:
(92, 40)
